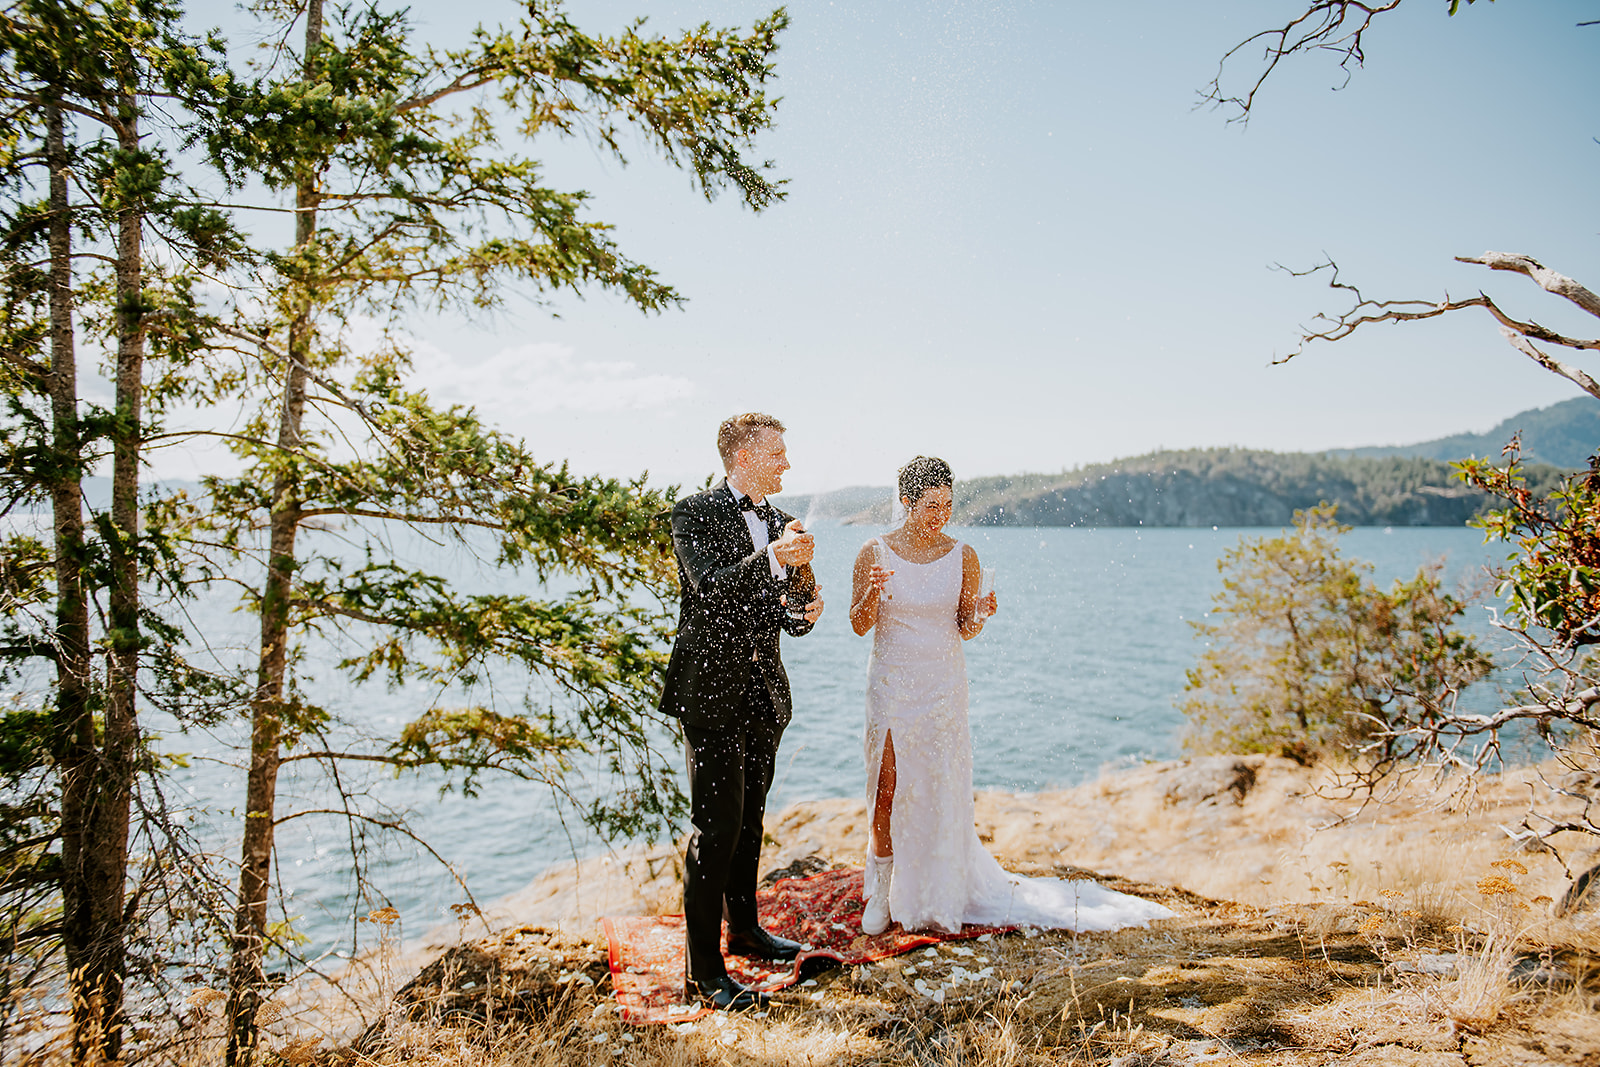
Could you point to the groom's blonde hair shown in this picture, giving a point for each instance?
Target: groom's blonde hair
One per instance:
(736, 432)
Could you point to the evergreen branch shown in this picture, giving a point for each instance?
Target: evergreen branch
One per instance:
(30, 367)
(37, 648)
(407, 517)
(465, 81)
(368, 757)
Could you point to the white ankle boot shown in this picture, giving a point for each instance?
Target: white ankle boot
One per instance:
(875, 919)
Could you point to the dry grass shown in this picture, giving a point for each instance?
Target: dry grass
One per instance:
(1222, 984)
(1352, 937)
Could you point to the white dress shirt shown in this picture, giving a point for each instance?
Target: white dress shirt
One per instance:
(758, 535)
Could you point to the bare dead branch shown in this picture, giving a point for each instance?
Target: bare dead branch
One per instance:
(1336, 26)
(1521, 334)
(1547, 279)
(1550, 363)
(340, 397)
(465, 81)
(1574, 709)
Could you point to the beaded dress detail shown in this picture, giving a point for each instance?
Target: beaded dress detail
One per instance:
(917, 692)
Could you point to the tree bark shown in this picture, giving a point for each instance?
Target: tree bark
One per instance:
(105, 842)
(1548, 280)
(91, 974)
(246, 976)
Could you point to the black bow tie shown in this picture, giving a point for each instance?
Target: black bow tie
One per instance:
(766, 511)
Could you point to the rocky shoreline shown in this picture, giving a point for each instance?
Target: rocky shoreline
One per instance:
(1253, 829)
(1277, 880)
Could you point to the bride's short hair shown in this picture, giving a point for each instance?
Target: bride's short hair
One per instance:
(736, 432)
(922, 474)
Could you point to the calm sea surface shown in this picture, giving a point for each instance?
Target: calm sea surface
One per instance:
(1080, 668)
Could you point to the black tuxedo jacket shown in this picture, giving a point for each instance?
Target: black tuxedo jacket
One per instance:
(729, 614)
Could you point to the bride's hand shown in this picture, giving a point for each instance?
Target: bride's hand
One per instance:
(878, 577)
(987, 607)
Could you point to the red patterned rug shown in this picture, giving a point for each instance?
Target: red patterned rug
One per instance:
(822, 912)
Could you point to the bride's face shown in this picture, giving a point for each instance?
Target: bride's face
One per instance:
(931, 511)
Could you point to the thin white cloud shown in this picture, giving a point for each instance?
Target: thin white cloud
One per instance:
(533, 378)
(549, 377)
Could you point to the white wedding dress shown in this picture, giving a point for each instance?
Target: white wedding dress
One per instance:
(917, 692)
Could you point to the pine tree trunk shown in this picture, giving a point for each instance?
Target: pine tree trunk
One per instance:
(246, 978)
(82, 897)
(105, 843)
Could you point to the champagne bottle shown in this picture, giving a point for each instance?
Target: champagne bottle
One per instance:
(802, 588)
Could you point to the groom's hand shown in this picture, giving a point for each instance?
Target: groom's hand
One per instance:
(813, 610)
(794, 547)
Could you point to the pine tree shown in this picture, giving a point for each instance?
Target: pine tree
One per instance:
(89, 90)
(1307, 658)
(402, 204)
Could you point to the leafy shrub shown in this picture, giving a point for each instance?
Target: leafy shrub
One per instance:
(1307, 657)
(1552, 581)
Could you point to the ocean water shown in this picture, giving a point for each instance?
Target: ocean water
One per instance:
(1085, 660)
(1079, 669)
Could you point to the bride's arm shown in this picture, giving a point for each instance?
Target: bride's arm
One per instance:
(864, 591)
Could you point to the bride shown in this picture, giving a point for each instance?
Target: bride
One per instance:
(918, 588)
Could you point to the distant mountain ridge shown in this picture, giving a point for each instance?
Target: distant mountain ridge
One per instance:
(1563, 435)
(1395, 485)
(1233, 487)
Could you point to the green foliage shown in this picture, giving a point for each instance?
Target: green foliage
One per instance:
(1307, 658)
(98, 235)
(29, 737)
(474, 740)
(1552, 579)
(415, 184)
(411, 198)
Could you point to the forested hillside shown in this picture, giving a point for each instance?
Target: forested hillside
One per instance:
(1224, 487)
(1564, 434)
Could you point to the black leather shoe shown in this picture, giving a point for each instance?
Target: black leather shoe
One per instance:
(724, 994)
(757, 942)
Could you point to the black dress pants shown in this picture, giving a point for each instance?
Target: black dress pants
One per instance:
(730, 771)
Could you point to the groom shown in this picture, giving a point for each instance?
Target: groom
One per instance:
(727, 684)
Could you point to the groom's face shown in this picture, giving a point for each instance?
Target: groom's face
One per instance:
(762, 461)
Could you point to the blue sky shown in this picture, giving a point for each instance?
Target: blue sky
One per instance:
(1012, 240)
